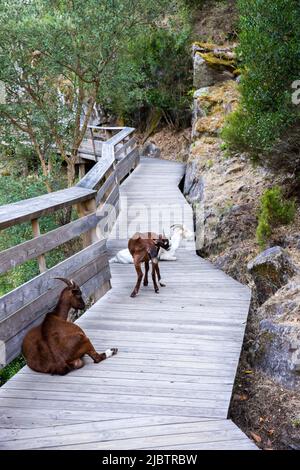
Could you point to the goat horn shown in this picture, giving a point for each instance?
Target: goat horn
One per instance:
(73, 283)
(66, 281)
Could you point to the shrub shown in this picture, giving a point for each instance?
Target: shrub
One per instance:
(194, 3)
(269, 51)
(274, 211)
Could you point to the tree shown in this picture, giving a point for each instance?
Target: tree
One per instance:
(154, 77)
(54, 57)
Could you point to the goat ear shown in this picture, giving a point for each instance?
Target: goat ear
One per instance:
(66, 281)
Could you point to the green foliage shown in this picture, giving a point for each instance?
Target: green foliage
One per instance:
(274, 211)
(154, 74)
(296, 423)
(12, 189)
(11, 369)
(193, 4)
(269, 51)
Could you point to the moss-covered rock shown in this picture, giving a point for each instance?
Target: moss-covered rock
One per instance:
(215, 61)
(213, 64)
(212, 105)
(222, 52)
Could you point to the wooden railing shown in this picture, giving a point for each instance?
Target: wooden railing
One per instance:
(96, 199)
(91, 146)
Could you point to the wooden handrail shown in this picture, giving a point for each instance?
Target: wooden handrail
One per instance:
(31, 249)
(93, 178)
(33, 208)
(116, 139)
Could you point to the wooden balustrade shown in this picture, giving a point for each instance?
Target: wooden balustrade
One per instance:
(96, 198)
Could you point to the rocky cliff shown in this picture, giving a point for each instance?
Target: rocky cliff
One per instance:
(226, 189)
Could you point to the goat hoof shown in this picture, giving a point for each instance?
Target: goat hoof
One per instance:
(133, 294)
(145, 284)
(114, 351)
(162, 285)
(156, 291)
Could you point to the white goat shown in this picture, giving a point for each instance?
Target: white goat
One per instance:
(178, 233)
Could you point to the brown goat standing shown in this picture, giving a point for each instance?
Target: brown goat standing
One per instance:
(144, 247)
(57, 345)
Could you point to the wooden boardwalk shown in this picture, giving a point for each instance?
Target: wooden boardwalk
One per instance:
(170, 385)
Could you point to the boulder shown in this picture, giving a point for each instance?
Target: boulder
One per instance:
(204, 75)
(232, 262)
(279, 335)
(236, 224)
(224, 231)
(193, 183)
(271, 270)
(151, 150)
(212, 64)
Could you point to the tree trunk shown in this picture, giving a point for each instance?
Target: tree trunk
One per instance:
(45, 172)
(71, 172)
(42, 159)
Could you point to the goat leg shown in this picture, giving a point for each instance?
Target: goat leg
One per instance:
(158, 275)
(98, 357)
(139, 279)
(81, 346)
(146, 273)
(154, 278)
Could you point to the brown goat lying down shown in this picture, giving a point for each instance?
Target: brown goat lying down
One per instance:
(57, 345)
(144, 247)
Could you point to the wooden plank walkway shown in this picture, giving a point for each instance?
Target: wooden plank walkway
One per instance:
(170, 385)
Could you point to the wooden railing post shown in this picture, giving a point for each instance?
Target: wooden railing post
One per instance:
(36, 233)
(86, 208)
(81, 170)
(115, 168)
(93, 144)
